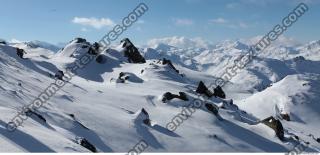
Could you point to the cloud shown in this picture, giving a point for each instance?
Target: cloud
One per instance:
(84, 29)
(229, 23)
(219, 21)
(192, 1)
(138, 28)
(183, 22)
(140, 22)
(93, 22)
(268, 3)
(241, 25)
(232, 5)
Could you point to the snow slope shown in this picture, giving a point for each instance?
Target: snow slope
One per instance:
(95, 107)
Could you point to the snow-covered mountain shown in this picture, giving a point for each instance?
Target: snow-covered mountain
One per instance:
(180, 42)
(115, 105)
(36, 44)
(41, 44)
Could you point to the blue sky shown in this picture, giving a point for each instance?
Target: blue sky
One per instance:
(213, 20)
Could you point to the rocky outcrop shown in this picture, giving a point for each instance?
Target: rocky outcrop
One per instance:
(131, 52)
(169, 63)
(218, 92)
(202, 89)
(276, 125)
(85, 143)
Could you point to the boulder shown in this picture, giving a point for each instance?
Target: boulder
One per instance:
(59, 75)
(169, 96)
(20, 52)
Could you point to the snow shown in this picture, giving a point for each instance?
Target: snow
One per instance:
(108, 113)
(181, 42)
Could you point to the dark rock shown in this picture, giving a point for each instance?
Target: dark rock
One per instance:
(30, 113)
(285, 117)
(169, 96)
(122, 78)
(202, 89)
(84, 46)
(131, 52)
(127, 76)
(91, 51)
(218, 92)
(80, 40)
(169, 63)
(100, 59)
(213, 136)
(212, 108)
(231, 102)
(144, 112)
(147, 120)
(183, 96)
(3, 42)
(20, 52)
(59, 75)
(85, 143)
(276, 125)
(121, 74)
(96, 46)
(72, 116)
(94, 49)
(299, 58)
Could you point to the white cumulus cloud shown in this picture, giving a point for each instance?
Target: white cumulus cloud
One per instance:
(93, 22)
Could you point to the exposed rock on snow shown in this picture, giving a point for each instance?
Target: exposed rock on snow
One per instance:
(131, 52)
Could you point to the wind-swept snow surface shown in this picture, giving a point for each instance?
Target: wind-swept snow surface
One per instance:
(101, 107)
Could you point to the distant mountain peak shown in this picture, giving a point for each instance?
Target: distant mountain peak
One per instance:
(181, 42)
